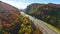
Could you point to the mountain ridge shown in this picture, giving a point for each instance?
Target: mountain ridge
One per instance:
(49, 13)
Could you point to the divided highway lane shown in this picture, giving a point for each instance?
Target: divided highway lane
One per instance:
(44, 28)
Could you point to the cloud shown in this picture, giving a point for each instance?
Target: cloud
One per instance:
(20, 5)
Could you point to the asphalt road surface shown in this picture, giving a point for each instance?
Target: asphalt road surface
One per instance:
(43, 27)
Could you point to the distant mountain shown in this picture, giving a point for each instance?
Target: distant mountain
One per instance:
(49, 13)
(20, 10)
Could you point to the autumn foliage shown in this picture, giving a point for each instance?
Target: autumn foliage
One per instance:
(49, 13)
(12, 22)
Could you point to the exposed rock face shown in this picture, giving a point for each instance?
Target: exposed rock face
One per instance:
(9, 18)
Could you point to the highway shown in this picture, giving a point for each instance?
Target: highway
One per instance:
(43, 27)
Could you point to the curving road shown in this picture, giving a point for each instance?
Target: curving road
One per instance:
(44, 28)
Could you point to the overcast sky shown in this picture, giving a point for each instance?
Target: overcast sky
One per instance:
(22, 4)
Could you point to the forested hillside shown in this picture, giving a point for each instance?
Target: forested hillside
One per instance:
(49, 13)
(12, 22)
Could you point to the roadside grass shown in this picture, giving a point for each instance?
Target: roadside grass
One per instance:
(54, 28)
